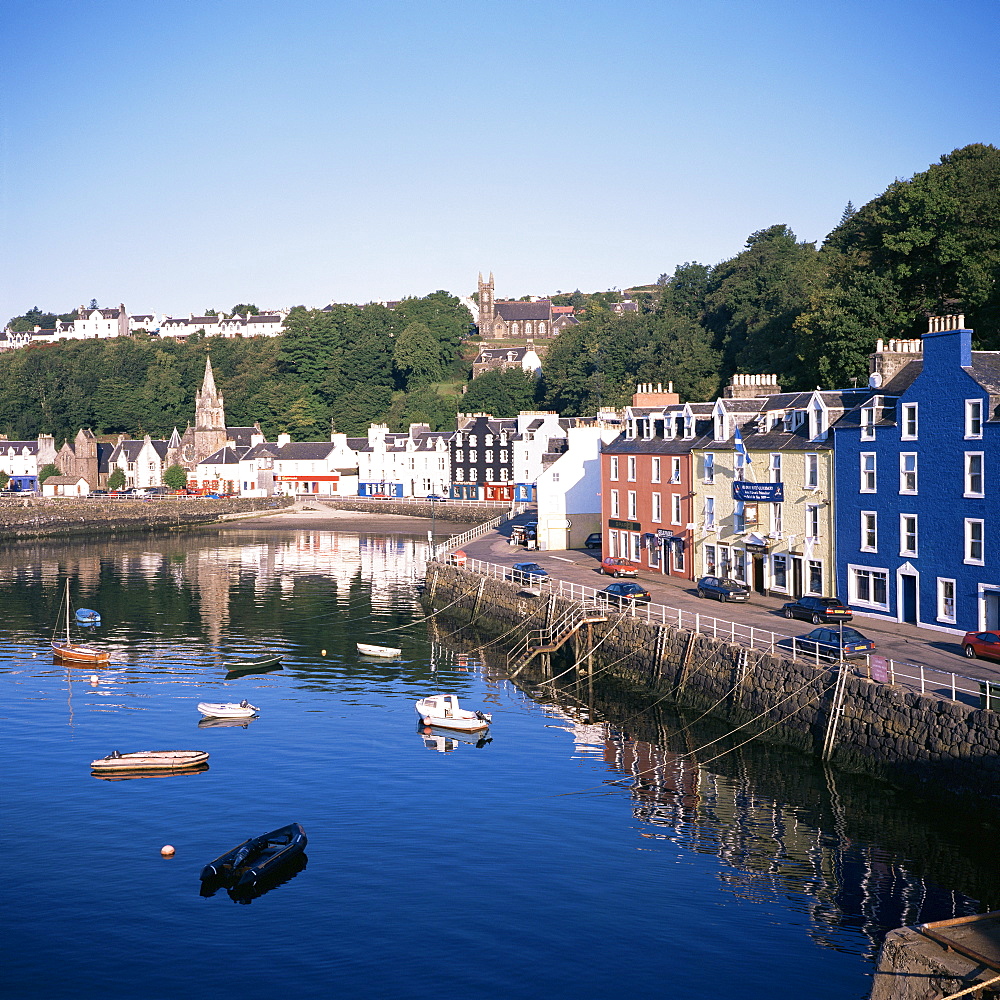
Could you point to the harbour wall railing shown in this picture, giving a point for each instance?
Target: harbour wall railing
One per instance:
(834, 710)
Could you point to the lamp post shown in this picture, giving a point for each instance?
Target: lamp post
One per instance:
(430, 534)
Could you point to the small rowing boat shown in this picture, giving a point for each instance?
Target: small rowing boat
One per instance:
(443, 710)
(84, 616)
(150, 760)
(247, 863)
(250, 662)
(228, 709)
(385, 651)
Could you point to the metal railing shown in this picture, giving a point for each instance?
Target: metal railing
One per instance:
(457, 541)
(918, 676)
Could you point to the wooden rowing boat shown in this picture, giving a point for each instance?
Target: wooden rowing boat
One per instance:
(387, 652)
(250, 662)
(150, 760)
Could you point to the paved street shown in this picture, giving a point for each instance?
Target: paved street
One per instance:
(901, 642)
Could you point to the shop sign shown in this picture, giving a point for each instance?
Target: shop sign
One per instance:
(759, 492)
(625, 525)
(664, 533)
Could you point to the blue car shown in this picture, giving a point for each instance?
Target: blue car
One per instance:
(624, 593)
(722, 589)
(523, 572)
(826, 644)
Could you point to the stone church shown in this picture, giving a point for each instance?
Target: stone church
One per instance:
(210, 433)
(500, 320)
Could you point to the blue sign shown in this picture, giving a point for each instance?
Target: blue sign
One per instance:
(759, 492)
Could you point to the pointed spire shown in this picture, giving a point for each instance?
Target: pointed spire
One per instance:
(175, 440)
(208, 385)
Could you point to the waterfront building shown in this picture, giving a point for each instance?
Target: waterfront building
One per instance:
(22, 461)
(140, 461)
(918, 484)
(482, 458)
(411, 464)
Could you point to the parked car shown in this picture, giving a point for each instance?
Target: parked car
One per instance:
(617, 566)
(826, 642)
(722, 588)
(984, 644)
(624, 593)
(594, 540)
(212, 496)
(434, 496)
(98, 493)
(818, 610)
(523, 572)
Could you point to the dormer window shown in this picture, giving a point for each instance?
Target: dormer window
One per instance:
(720, 426)
(688, 426)
(817, 421)
(868, 423)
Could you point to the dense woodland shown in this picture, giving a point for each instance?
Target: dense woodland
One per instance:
(927, 245)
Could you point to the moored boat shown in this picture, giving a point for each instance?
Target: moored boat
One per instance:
(250, 662)
(260, 857)
(85, 616)
(228, 710)
(443, 711)
(387, 652)
(150, 760)
(74, 652)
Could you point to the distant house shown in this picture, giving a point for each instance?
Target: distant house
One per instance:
(504, 358)
(140, 461)
(65, 486)
(22, 460)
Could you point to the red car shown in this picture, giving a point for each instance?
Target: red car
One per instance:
(616, 566)
(984, 644)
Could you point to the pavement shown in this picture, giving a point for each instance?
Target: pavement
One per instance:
(899, 640)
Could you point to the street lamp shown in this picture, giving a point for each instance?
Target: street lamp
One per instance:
(430, 534)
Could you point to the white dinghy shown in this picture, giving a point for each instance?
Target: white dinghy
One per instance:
(385, 651)
(228, 710)
(443, 710)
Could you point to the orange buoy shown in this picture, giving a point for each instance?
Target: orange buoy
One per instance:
(167, 850)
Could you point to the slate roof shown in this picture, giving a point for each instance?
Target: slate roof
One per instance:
(986, 370)
(225, 456)
(305, 451)
(241, 435)
(523, 310)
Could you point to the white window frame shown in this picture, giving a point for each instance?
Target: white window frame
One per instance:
(975, 539)
(908, 528)
(675, 509)
(812, 471)
(909, 422)
(709, 469)
(868, 424)
(812, 521)
(675, 470)
(973, 419)
(632, 506)
(971, 476)
(615, 511)
(780, 558)
(657, 514)
(655, 472)
(870, 572)
(869, 476)
(946, 600)
(869, 527)
(709, 512)
(807, 582)
(613, 470)
(630, 468)
(774, 469)
(908, 478)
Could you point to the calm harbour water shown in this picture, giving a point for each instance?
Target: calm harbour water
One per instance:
(530, 866)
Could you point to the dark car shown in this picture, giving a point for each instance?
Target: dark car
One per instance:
(818, 610)
(826, 643)
(624, 593)
(722, 588)
(984, 644)
(523, 572)
(434, 496)
(594, 540)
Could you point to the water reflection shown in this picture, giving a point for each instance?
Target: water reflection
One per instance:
(247, 894)
(447, 740)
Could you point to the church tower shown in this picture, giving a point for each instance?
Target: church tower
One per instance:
(485, 307)
(209, 432)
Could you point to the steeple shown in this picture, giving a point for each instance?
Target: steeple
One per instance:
(208, 383)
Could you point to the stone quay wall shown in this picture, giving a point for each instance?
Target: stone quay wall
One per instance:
(37, 517)
(883, 728)
(443, 510)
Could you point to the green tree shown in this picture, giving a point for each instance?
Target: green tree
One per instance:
(117, 479)
(175, 477)
(47, 472)
(4, 480)
(502, 393)
(245, 309)
(417, 356)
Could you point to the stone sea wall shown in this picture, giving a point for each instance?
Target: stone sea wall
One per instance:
(885, 729)
(35, 517)
(443, 510)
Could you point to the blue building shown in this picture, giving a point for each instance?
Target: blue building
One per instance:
(917, 498)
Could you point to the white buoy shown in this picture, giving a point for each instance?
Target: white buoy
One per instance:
(94, 678)
(167, 850)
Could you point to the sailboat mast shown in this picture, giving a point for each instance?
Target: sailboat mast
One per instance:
(67, 611)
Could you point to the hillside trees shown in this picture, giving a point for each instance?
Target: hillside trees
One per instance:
(502, 393)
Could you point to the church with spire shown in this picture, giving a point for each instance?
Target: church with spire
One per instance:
(209, 433)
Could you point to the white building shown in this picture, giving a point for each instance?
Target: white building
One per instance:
(140, 461)
(569, 489)
(540, 433)
(413, 464)
(22, 460)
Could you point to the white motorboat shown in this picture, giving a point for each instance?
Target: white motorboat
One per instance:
(228, 710)
(385, 651)
(442, 710)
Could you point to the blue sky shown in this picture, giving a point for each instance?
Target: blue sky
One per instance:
(180, 155)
